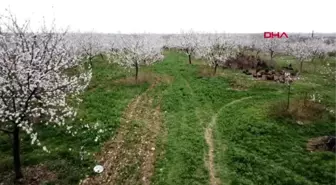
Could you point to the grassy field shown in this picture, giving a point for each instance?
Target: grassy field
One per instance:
(209, 130)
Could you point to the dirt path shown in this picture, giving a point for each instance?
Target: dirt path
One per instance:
(208, 135)
(210, 160)
(129, 157)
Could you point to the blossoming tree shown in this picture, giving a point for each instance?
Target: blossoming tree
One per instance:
(90, 46)
(217, 50)
(138, 50)
(270, 46)
(189, 43)
(35, 82)
(301, 51)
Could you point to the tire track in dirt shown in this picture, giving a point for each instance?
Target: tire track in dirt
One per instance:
(210, 158)
(208, 135)
(129, 158)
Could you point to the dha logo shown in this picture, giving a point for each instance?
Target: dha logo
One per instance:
(271, 35)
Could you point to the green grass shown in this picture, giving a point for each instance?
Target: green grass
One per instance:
(104, 103)
(250, 146)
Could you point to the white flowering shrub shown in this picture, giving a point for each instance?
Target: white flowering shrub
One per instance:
(35, 82)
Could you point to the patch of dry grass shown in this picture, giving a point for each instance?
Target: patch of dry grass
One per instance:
(301, 110)
(317, 144)
(34, 175)
(207, 71)
(144, 77)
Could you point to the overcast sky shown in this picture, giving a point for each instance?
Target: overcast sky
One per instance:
(172, 16)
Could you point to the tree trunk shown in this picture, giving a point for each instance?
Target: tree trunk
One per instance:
(289, 87)
(189, 56)
(272, 55)
(314, 63)
(301, 66)
(215, 69)
(136, 71)
(16, 153)
(305, 99)
(102, 56)
(91, 64)
(257, 54)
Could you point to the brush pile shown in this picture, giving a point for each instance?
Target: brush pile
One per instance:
(259, 69)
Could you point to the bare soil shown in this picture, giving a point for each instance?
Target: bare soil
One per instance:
(210, 160)
(33, 175)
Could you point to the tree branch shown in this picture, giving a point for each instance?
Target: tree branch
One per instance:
(6, 131)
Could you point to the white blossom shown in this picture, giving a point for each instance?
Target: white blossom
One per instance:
(34, 85)
(138, 50)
